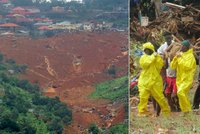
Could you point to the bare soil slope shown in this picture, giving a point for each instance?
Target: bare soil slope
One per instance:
(69, 66)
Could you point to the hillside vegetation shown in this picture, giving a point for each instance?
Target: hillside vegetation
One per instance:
(112, 89)
(24, 109)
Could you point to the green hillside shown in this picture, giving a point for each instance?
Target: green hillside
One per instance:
(24, 110)
(112, 89)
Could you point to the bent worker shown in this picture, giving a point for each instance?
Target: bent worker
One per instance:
(171, 89)
(185, 65)
(196, 101)
(161, 51)
(150, 81)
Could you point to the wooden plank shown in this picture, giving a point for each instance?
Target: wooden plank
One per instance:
(176, 38)
(187, 19)
(174, 5)
(195, 9)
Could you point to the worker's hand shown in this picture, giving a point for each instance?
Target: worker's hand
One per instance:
(166, 55)
(178, 54)
(155, 54)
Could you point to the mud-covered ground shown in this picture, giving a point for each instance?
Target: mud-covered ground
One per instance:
(69, 66)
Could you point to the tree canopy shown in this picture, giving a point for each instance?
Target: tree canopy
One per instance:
(25, 110)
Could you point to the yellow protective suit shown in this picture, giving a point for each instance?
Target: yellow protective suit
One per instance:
(185, 67)
(150, 83)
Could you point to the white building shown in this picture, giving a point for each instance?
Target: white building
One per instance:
(88, 26)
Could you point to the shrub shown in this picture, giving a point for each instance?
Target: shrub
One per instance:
(10, 61)
(93, 129)
(112, 70)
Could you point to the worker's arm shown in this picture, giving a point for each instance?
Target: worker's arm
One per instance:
(176, 39)
(160, 50)
(159, 62)
(189, 61)
(174, 62)
(146, 61)
(169, 48)
(167, 51)
(188, 64)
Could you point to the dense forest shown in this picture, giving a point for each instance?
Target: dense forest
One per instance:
(24, 109)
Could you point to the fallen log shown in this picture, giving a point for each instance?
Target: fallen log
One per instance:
(174, 5)
(176, 39)
(194, 9)
(197, 51)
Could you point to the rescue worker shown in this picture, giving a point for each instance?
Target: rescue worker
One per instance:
(150, 81)
(171, 89)
(161, 51)
(185, 65)
(168, 42)
(196, 101)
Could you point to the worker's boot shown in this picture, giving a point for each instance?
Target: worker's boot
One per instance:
(144, 114)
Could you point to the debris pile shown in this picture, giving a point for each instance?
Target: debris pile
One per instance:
(183, 23)
(177, 21)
